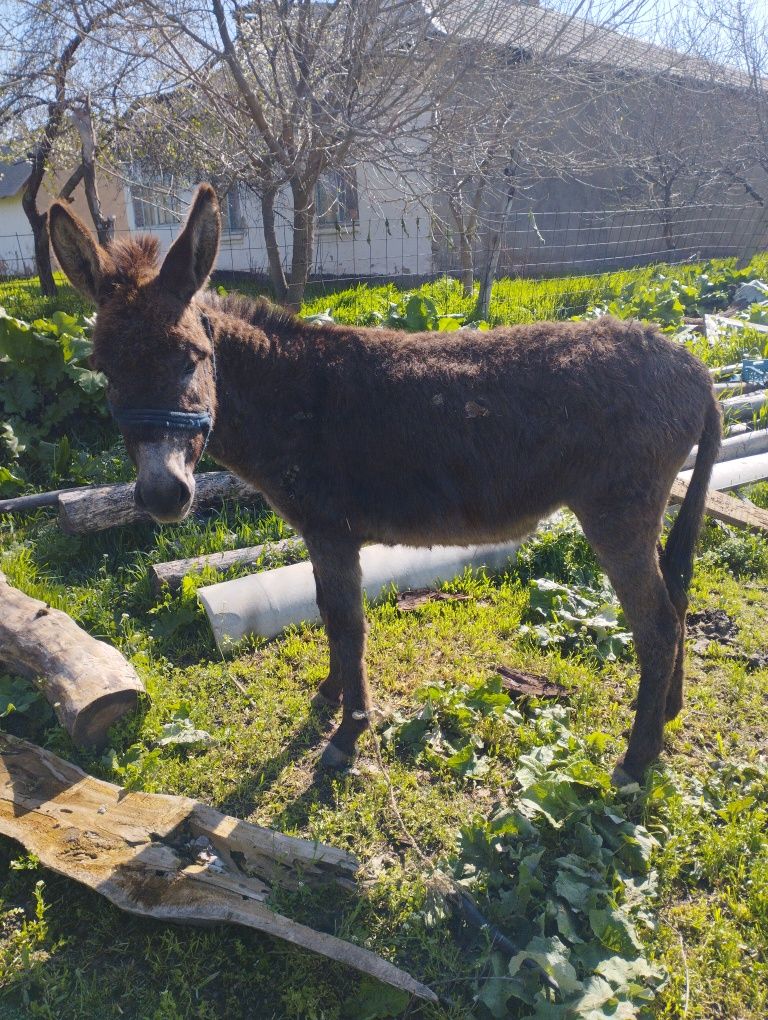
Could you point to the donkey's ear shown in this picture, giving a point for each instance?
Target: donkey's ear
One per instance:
(86, 264)
(193, 254)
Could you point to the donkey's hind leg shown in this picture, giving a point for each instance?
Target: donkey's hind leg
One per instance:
(329, 693)
(625, 544)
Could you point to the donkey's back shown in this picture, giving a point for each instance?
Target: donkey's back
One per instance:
(476, 435)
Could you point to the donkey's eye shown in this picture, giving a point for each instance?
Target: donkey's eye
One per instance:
(189, 369)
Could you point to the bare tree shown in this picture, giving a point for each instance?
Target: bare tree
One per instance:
(53, 55)
(660, 144)
(518, 118)
(740, 31)
(295, 89)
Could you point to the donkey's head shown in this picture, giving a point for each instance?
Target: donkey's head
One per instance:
(154, 344)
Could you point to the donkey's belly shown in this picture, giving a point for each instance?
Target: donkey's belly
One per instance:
(469, 505)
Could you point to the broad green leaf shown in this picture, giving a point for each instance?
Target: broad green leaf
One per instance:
(183, 732)
(615, 931)
(16, 695)
(552, 956)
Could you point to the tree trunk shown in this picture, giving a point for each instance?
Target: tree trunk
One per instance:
(65, 195)
(39, 223)
(97, 507)
(276, 271)
(303, 235)
(467, 268)
(105, 225)
(172, 573)
(173, 858)
(666, 217)
(495, 240)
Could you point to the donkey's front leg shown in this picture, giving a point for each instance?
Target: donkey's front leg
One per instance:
(338, 579)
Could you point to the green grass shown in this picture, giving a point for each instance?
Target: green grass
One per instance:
(21, 297)
(513, 300)
(65, 953)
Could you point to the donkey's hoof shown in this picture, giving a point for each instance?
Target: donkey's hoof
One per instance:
(621, 779)
(334, 758)
(320, 703)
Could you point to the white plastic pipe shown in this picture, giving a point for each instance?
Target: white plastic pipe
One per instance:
(730, 474)
(734, 447)
(266, 603)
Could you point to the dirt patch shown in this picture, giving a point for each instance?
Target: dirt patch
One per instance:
(716, 625)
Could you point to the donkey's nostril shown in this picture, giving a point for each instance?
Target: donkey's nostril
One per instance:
(184, 492)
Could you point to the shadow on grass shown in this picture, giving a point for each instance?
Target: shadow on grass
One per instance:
(248, 794)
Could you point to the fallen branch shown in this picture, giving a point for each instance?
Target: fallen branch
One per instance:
(170, 858)
(518, 684)
(88, 682)
(109, 506)
(171, 574)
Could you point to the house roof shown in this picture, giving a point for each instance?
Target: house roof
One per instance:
(541, 30)
(13, 177)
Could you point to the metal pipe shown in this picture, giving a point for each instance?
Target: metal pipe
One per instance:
(735, 447)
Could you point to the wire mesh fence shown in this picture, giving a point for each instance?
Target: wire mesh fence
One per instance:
(573, 249)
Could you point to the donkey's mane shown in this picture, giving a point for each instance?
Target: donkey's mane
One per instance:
(135, 258)
(256, 311)
(136, 261)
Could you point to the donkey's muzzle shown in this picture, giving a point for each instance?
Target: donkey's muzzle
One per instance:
(166, 501)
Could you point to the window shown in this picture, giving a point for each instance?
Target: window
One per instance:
(232, 221)
(155, 203)
(337, 204)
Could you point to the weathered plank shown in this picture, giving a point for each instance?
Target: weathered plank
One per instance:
(171, 573)
(108, 506)
(725, 508)
(171, 858)
(88, 682)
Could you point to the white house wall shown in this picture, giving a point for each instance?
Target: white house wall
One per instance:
(17, 250)
(390, 238)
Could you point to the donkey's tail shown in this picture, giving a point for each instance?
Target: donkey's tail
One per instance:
(678, 553)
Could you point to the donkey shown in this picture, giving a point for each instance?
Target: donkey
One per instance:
(357, 435)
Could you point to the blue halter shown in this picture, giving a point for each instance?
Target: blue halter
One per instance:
(173, 421)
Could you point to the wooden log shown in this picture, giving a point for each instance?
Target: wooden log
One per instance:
(725, 508)
(88, 682)
(725, 370)
(171, 574)
(35, 500)
(109, 506)
(744, 408)
(171, 858)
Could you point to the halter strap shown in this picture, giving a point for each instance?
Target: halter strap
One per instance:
(169, 419)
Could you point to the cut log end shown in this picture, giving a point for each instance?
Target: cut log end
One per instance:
(93, 723)
(88, 682)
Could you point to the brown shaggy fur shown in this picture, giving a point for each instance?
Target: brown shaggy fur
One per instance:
(359, 435)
